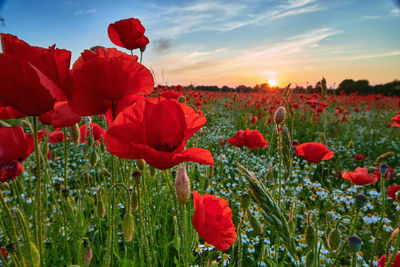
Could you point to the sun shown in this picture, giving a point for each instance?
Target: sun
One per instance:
(272, 83)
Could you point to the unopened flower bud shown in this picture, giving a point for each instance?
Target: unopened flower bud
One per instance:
(394, 234)
(280, 115)
(141, 164)
(128, 226)
(334, 239)
(74, 134)
(143, 48)
(136, 177)
(93, 158)
(87, 256)
(350, 145)
(355, 243)
(101, 209)
(182, 185)
(360, 200)
(310, 236)
(245, 202)
(214, 264)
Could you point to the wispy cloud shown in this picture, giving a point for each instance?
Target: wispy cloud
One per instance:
(223, 16)
(369, 56)
(84, 12)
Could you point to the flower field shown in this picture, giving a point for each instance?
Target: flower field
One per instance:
(100, 167)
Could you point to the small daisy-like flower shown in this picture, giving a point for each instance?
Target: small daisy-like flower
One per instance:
(251, 248)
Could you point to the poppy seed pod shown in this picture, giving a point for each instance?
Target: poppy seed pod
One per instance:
(280, 115)
(355, 243)
(255, 224)
(182, 185)
(360, 200)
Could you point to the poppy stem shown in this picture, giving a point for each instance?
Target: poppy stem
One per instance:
(380, 219)
(38, 191)
(65, 157)
(141, 57)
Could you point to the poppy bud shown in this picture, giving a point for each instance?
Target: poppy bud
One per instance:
(310, 259)
(214, 264)
(394, 234)
(355, 243)
(182, 185)
(256, 225)
(141, 164)
(5, 185)
(310, 236)
(134, 201)
(152, 171)
(101, 209)
(74, 133)
(87, 256)
(52, 156)
(334, 239)
(280, 115)
(143, 48)
(360, 200)
(245, 203)
(93, 158)
(128, 226)
(32, 256)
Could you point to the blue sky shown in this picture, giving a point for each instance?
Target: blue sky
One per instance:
(230, 42)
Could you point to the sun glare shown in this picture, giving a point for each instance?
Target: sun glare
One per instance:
(272, 83)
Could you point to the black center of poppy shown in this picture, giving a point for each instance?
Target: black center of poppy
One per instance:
(165, 147)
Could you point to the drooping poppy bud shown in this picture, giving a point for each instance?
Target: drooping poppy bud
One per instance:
(182, 185)
(280, 115)
(87, 256)
(128, 226)
(74, 133)
(334, 239)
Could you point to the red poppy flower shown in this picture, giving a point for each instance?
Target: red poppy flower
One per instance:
(171, 94)
(393, 191)
(212, 219)
(396, 120)
(56, 137)
(23, 87)
(105, 76)
(389, 173)
(4, 253)
(54, 64)
(313, 152)
(359, 157)
(395, 263)
(156, 130)
(15, 147)
(128, 33)
(97, 132)
(254, 119)
(249, 138)
(360, 176)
